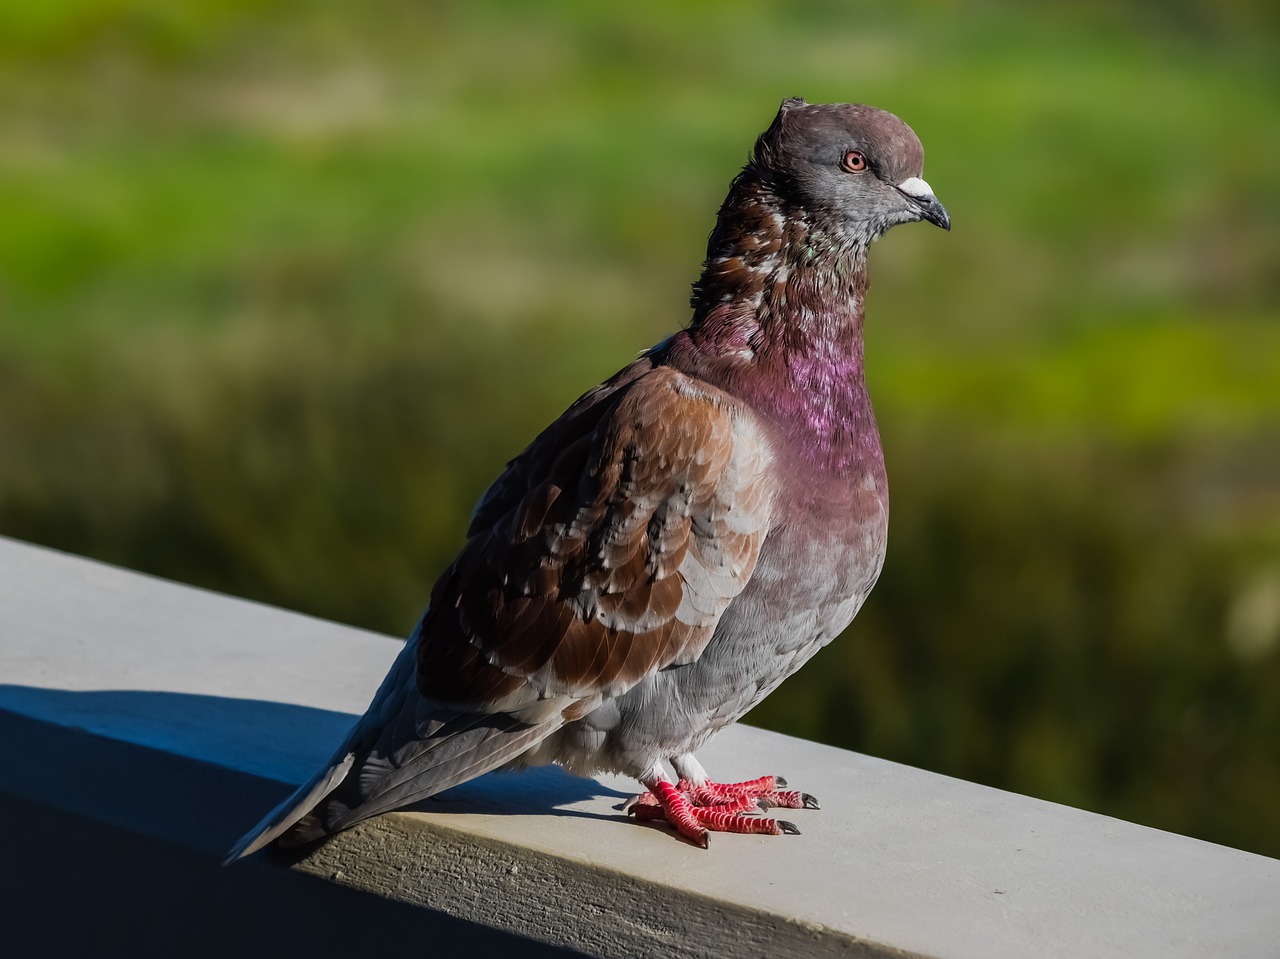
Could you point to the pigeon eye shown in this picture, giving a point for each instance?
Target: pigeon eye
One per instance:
(853, 162)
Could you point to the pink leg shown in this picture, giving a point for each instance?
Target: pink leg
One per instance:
(715, 818)
(723, 807)
(765, 789)
(676, 808)
(698, 796)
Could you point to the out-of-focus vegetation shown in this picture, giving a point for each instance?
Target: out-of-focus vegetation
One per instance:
(282, 285)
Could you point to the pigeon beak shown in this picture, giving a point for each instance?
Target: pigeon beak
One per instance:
(921, 195)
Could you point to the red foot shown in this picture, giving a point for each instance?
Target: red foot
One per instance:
(722, 807)
(764, 789)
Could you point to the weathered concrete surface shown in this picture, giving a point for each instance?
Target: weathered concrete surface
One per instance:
(898, 861)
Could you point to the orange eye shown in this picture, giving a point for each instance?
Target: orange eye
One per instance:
(853, 162)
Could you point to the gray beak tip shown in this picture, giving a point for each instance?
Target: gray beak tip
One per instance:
(919, 193)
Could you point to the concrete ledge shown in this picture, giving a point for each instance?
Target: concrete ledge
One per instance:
(159, 721)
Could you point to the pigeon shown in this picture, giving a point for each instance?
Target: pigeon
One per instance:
(683, 538)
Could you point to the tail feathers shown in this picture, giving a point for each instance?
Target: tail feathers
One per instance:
(466, 746)
(298, 815)
(407, 750)
(293, 810)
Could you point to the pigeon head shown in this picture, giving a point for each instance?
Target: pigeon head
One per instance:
(823, 182)
(852, 171)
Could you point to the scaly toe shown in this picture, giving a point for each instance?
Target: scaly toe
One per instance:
(695, 810)
(790, 799)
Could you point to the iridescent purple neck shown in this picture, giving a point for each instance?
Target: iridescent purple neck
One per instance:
(778, 321)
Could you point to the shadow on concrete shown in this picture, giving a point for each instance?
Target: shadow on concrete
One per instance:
(85, 889)
(120, 818)
(281, 743)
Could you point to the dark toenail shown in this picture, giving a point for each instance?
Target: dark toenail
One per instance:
(809, 801)
(788, 827)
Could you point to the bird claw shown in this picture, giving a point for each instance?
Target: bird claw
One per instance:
(629, 807)
(694, 809)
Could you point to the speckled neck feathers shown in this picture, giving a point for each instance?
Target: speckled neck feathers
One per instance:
(778, 320)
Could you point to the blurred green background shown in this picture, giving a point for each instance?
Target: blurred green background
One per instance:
(283, 284)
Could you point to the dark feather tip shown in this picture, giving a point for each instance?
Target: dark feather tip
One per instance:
(789, 828)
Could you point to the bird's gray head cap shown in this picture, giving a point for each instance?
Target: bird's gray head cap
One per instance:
(847, 166)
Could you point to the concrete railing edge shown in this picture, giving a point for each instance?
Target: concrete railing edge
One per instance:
(188, 685)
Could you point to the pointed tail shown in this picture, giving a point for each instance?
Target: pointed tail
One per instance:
(277, 822)
(396, 688)
(405, 748)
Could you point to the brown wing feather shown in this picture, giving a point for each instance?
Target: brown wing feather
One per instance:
(607, 550)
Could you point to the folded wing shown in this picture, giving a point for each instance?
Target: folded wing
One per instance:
(609, 549)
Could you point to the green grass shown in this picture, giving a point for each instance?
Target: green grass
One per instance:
(283, 284)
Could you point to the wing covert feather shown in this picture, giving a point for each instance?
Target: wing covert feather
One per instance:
(607, 550)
